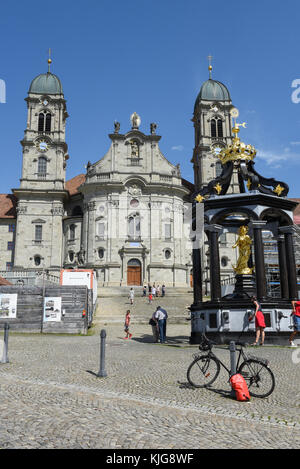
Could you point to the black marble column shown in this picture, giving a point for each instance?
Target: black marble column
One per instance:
(284, 284)
(260, 273)
(197, 276)
(213, 232)
(290, 261)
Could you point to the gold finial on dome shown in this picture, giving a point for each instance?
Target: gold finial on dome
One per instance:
(209, 65)
(49, 61)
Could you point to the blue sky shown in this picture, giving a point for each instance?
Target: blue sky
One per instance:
(117, 57)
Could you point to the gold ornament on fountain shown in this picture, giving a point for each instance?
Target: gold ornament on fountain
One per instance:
(199, 198)
(218, 188)
(237, 150)
(244, 244)
(278, 189)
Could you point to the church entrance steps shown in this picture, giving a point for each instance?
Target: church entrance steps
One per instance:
(108, 292)
(113, 309)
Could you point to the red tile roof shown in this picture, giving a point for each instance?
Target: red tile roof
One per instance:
(3, 281)
(73, 184)
(8, 203)
(297, 212)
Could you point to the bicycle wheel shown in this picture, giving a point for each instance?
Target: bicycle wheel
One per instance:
(259, 378)
(203, 371)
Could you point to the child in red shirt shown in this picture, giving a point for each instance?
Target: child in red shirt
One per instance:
(150, 298)
(127, 324)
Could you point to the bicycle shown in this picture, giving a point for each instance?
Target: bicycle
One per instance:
(205, 369)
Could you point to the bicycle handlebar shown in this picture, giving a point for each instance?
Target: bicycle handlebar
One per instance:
(207, 344)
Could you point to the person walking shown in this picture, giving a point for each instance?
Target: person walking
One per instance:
(296, 320)
(163, 290)
(150, 298)
(160, 316)
(154, 291)
(131, 295)
(144, 290)
(259, 322)
(127, 325)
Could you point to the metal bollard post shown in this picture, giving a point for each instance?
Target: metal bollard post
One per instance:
(232, 362)
(5, 348)
(102, 373)
(232, 358)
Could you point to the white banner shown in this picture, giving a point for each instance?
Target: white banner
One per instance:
(52, 308)
(8, 305)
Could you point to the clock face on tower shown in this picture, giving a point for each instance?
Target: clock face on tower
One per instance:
(42, 144)
(216, 148)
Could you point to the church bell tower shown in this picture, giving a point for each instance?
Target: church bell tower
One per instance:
(42, 186)
(213, 131)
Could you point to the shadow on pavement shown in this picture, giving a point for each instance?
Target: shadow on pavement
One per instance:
(222, 392)
(178, 340)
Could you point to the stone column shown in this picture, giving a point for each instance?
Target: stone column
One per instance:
(284, 284)
(197, 276)
(213, 232)
(290, 260)
(260, 273)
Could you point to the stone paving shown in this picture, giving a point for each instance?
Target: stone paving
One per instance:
(50, 396)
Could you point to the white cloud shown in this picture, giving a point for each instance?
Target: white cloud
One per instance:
(294, 143)
(178, 148)
(276, 160)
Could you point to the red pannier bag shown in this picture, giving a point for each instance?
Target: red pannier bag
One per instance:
(240, 387)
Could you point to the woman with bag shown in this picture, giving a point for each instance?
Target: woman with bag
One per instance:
(259, 322)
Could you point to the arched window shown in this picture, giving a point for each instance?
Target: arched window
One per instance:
(44, 122)
(167, 253)
(101, 253)
(71, 256)
(42, 165)
(213, 128)
(134, 227)
(72, 232)
(48, 123)
(41, 122)
(220, 128)
(216, 127)
(37, 260)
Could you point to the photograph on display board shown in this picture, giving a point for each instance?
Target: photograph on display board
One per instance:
(8, 306)
(52, 309)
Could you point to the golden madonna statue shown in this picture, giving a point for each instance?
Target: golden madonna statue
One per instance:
(244, 244)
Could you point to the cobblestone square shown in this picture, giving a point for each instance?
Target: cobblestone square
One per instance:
(52, 398)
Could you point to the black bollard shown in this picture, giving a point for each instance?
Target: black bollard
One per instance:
(102, 373)
(232, 362)
(232, 358)
(5, 348)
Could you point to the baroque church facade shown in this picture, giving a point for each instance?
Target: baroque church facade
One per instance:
(125, 217)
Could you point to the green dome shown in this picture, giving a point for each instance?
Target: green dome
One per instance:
(213, 90)
(46, 83)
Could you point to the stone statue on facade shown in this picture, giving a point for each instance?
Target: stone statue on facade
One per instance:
(134, 149)
(135, 120)
(153, 128)
(117, 127)
(81, 256)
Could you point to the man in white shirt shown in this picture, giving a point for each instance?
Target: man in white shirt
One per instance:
(161, 317)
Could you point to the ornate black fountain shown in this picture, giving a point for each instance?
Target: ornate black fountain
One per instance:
(261, 204)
